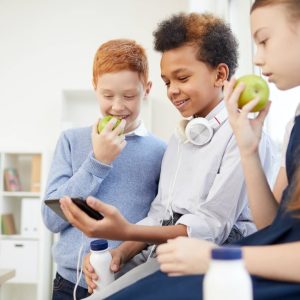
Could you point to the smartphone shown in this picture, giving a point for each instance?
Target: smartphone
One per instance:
(79, 201)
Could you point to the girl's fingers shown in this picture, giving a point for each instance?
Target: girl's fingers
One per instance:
(164, 248)
(169, 267)
(231, 96)
(264, 112)
(247, 108)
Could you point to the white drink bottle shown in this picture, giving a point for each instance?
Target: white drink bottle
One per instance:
(100, 259)
(227, 277)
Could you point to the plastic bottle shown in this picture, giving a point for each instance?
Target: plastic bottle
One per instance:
(100, 259)
(227, 277)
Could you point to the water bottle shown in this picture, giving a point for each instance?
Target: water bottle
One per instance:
(100, 259)
(227, 277)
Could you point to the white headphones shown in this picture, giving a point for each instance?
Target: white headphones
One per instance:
(199, 131)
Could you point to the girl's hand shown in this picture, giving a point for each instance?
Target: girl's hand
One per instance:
(108, 144)
(113, 226)
(183, 256)
(247, 131)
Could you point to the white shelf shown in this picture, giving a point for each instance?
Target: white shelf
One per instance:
(17, 237)
(28, 250)
(21, 194)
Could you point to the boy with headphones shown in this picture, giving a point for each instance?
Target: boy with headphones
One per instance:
(202, 190)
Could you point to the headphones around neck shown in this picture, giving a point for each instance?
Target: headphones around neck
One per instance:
(199, 131)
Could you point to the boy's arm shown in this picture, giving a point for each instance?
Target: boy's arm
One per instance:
(114, 226)
(130, 248)
(62, 181)
(213, 220)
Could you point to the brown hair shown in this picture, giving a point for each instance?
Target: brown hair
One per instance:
(295, 201)
(292, 6)
(119, 55)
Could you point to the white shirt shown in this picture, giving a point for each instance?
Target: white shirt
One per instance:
(209, 188)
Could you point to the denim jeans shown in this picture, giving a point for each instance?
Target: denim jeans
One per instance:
(63, 289)
(234, 236)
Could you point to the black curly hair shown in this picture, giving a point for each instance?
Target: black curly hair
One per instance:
(213, 37)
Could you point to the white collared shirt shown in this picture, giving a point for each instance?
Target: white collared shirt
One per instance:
(209, 188)
(141, 130)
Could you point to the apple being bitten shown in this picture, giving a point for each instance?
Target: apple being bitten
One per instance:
(102, 123)
(255, 86)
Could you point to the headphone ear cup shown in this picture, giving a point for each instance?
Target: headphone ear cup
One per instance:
(198, 131)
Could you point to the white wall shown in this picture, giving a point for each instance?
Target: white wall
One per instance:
(48, 47)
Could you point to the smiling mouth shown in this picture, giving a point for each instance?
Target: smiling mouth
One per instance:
(180, 103)
(120, 117)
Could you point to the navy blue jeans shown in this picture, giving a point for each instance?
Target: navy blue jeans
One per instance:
(63, 289)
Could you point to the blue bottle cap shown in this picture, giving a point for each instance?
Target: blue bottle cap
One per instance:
(226, 253)
(98, 245)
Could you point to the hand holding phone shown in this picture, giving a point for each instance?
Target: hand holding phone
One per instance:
(54, 204)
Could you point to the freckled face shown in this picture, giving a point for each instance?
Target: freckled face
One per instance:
(120, 94)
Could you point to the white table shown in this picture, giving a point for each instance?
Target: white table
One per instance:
(6, 274)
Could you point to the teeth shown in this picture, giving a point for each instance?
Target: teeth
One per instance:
(120, 117)
(181, 102)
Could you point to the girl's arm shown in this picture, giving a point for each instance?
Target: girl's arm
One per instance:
(280, 184)
(247, 131)
(277, 262)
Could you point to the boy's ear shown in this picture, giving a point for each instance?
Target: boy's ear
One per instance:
(222, 74)
(93, 83)
(148, 88)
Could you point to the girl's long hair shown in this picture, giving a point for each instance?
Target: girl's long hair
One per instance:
(295, 201)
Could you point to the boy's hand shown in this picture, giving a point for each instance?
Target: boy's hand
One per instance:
(112, 227)
(247, 131)
(117, 259)
(89, 273)
(108, 144)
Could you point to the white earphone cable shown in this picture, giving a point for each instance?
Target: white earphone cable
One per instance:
(79, 260)
(169, 209)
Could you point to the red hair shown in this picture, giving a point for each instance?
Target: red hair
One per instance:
(119, 55)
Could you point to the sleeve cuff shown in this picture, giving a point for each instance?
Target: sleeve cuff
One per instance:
(198, 229)
(96, 168)
(148, 221)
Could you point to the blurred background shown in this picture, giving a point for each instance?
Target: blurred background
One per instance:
(46, 54)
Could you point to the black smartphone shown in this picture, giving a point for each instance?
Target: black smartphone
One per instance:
(79, 201)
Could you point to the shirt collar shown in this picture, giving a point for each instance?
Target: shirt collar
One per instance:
(141, 130)
(215, 110)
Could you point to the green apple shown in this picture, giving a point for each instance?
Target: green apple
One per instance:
(254, 86)
(102, 123)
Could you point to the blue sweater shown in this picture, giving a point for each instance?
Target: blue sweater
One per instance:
(130, 184)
